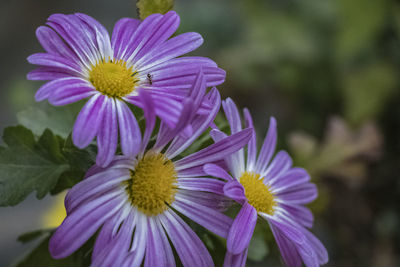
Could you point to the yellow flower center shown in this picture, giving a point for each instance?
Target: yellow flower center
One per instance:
(257, 193)
(113, 78)
(152, 186)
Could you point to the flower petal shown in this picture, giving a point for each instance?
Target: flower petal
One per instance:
(302, 194)
(113, 253)
(89, 120)
(47, 74)
(235, 191)
(215, 151)
(180, 73)
(138, 247)
(233, 117)
(53, 44)
(279, 165)
(158, 249)
(217, 171)
(172, 48)
(242, 229)
(129, 130)
(122, 33)
(288, 250)
(164, 28)
(238, 260)
(211, 219)
(198, 122)
(268, 147)
(188, 245)
(300, 214)
(202, 184)
(79, 226)
(68, 90)
(107, 137)
(94, 186)
(292, 178)
(55, 61)
(252, 145)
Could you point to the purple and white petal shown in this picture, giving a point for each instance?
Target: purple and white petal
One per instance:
(172, 48)
(202, 184)
(242, 229)
(89, 120)
(138, 247)
(129, 130)
(79, 226)
(211, 219)
(301, 194)
(94, 186)
(288, 250)
(158, 249)
(252, 145)
(217, 171)
(268, 147)
(279, 165)
(67, 91)
(215, 151)
(107, 137)
(122, 33)
(188, 245)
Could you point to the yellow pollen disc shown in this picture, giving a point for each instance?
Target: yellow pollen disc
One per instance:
(153, 184)
(257, 193)
(113, 78)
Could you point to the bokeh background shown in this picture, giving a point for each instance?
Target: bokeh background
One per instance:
(327, 70)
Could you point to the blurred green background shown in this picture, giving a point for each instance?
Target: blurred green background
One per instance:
(328, 70)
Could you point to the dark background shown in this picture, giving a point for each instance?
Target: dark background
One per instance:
(327, 70)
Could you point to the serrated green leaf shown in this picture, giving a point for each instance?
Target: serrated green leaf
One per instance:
(59, 119)
(67, 180)
(26, 166)
(148, 7)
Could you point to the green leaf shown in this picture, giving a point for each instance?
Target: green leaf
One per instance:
(30, 236)
(40, 256)
(27, 165)
(148, 7)
(59, 119)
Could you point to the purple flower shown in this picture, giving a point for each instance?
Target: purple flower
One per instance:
(82, 61)
(271, 188)
(134, 203)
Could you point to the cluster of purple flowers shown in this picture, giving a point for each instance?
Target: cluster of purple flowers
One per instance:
(134, 202)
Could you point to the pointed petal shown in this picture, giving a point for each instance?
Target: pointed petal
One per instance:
(252, 145)
(268, 147)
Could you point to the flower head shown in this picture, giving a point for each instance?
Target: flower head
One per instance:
(135, 202)
(82, 61)
(271, 188)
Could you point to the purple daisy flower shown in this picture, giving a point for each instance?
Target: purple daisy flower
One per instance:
(271, 189)
(82, 61)
(134, 202)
